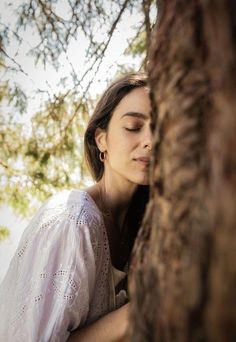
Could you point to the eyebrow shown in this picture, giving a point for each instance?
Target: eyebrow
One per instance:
(136, 114)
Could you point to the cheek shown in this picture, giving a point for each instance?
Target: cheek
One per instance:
(121, 146)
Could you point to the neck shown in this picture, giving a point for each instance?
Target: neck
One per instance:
(115, 197)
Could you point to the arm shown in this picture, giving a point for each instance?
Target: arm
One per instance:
(110, 328)
(48, 286)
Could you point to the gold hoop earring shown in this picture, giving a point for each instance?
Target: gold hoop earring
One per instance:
(102, 156)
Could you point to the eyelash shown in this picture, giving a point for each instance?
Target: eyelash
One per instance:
(133, 129)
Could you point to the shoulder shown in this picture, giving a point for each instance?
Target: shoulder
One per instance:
(69, 199)
(68, 223)
(68, 212)
(72, 205)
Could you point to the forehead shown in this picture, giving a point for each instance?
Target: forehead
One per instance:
(136, 101)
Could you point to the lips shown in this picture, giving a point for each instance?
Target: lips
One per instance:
(143, 160)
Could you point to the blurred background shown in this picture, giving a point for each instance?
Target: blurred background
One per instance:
(56, 58)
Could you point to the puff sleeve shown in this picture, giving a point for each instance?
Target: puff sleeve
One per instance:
(50, 282)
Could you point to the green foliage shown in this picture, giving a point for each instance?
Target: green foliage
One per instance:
(138, 46)
(4, 233)
(17, 98)
(47, 160)
(4, 92)
(14, 96)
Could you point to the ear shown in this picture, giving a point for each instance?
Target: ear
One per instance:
(100, 138)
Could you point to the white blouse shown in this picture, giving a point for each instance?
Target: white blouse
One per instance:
(61, 276)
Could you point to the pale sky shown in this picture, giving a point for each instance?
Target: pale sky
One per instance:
(8, 247)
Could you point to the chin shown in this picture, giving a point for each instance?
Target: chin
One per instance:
(144, 181)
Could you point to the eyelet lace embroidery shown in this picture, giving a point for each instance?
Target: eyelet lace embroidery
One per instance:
(81, 217)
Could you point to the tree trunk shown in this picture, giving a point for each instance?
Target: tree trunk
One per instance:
(183, 273)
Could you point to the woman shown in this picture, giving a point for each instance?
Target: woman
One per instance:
(68, 278)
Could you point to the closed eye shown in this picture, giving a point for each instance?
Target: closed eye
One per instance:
(133, 129)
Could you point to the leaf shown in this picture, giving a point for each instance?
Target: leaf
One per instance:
(4, 233)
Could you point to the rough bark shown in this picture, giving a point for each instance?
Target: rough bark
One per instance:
(183, 272)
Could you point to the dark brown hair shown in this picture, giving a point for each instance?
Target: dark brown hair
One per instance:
(102, 115)
(101, 118)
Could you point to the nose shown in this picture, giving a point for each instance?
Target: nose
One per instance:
(147, 138)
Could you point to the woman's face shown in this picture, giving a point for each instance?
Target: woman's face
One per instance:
(128, 140)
